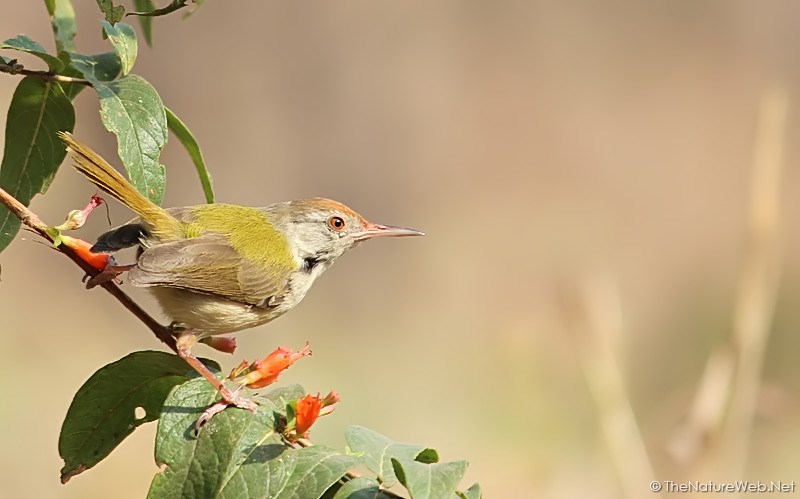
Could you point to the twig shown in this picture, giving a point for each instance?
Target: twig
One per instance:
(350, 475)
(30, 219)
(42, 75)
(175, 5)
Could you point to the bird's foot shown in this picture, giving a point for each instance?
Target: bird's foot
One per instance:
(109, 273)
(229, 398)
(236, 399)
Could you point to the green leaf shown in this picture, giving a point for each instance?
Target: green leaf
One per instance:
(237, 453)
(25, 44)
(62, 17)
(103, 411)
(186, 138)
(429, 481)
(232, 442)
(473, 492)
(313, 470)
(133, 111)
(103, 67)
(123, 38)
(131, 108)
(360, 488)
(98, 67)
(145, 22)
(113, 13)
(33, 153)
(378, 451)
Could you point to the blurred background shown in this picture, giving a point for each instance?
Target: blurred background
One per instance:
(608, 290)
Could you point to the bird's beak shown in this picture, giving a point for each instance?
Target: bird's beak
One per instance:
(377, 230)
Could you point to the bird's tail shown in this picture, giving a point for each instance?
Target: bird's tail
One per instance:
(160, 223)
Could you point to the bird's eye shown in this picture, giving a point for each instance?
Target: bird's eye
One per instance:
(336, 223)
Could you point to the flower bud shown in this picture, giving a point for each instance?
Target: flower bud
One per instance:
(76, 218)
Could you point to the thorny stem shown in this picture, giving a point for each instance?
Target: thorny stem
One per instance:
(42, 75)
(30, 219)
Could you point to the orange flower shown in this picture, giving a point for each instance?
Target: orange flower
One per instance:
(309, 408)
(97, 260)
(264, 372)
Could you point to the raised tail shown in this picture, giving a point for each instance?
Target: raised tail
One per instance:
(159, 223)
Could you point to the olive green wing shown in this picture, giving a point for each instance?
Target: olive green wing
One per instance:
(209, 264)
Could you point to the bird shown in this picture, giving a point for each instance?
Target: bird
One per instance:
(221, 268)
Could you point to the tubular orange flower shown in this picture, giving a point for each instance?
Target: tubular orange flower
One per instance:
(307, 412)
(309, 408)
(264, 372)
(97, 260)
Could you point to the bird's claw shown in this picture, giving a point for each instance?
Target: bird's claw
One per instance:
(228, 399)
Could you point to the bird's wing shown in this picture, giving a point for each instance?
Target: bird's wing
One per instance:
(208, 264)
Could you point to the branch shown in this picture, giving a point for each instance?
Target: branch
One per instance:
(30, 219)
(17, 69)
(175, 5)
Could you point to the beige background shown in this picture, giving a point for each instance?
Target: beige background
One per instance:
(541, 145)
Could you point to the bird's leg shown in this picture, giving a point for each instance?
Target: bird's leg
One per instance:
(109, 273)
(185, 343)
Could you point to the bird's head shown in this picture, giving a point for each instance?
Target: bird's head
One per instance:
(321, 230)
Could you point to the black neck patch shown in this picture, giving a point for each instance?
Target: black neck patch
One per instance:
(310, 262)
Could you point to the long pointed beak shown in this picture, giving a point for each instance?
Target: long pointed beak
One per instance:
(377, 230)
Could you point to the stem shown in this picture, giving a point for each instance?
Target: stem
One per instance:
(42, 75)
(30, 219)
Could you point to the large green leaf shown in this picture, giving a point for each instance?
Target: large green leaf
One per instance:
(146, 22)
(237, 453)
(193, 148)
(429, 481)
(379, 450)
(103, 412)
(131, 108)
(98, 67)
(62, 17)
(39, 109)
(25, 44)
(123, 39)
